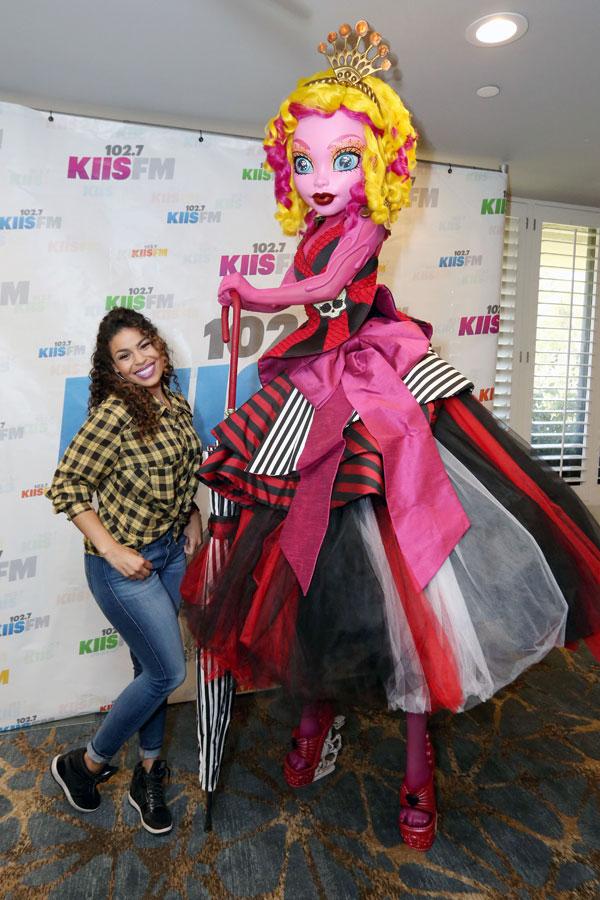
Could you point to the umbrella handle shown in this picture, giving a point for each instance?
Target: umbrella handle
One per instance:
(234, 336)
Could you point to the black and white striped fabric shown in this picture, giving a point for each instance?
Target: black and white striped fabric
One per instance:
(281, 450)
(434, 379)
(221, 507)
(214, 705)
(431, 379)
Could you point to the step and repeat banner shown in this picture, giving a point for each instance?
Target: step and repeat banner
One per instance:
(97, 214)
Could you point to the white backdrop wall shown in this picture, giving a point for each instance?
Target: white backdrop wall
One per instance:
(95, 214)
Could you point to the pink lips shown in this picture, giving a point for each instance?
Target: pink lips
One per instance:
(146, 372)
(323, 199)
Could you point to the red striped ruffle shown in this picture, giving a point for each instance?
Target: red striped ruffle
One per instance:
(245, 429)
(360, 471)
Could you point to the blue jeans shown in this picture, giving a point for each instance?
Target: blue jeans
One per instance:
(145, 615)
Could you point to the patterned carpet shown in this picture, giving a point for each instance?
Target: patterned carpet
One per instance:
(518, 784)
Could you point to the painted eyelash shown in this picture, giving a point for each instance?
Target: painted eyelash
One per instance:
(339, 151)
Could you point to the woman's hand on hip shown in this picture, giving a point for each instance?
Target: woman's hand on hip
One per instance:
(128, 562)
(193, 533)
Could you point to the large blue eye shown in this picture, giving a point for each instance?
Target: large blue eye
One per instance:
(302, 165)
(346, 161)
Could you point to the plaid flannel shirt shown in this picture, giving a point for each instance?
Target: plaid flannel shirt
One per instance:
(143, 487)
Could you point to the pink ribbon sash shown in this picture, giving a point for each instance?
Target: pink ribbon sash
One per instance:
(365, 374)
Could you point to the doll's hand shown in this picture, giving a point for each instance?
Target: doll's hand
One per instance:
(234, 282)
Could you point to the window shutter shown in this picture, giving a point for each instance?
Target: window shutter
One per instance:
(562, 378)
(506, 333)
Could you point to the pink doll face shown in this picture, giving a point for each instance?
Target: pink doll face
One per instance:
(327, 161)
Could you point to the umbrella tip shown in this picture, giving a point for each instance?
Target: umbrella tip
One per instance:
(208, 813)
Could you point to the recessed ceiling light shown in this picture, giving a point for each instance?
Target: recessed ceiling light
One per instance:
(499, 28)
(488, 90)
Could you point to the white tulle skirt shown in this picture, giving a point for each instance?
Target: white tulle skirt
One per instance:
(494, 600)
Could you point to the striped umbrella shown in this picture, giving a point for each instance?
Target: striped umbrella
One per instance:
(215, 693)
(214, 705)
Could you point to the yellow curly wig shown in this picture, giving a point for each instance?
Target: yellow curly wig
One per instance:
(390, 140)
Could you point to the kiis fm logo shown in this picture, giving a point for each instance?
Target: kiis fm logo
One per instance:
(36, 542)
(494, 206)
(260, 174)
(8, 483)
(19, 568)
(482, 324)
(61, 348)
(36, 491)
(459, 259)
(140, 298)
(108, 640)
(71, 596)
(22, 722)
(31, 178)
(18, 432)
(73, 246)
(23, 623)
(10, 599)
(486, 394)
(425, 198)
(34, 655)
(193, 214)
(150, 250)
(267, 257)
(122, 162)
(28, 219)
(12, 433)
(13, 293)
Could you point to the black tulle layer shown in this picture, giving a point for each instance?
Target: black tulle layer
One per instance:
(331, 643)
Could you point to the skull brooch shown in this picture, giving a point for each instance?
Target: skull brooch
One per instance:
(331, 309)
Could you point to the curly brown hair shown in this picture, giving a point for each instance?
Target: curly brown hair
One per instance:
(104, 381)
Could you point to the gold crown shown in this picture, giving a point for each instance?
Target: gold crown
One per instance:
(354, 54)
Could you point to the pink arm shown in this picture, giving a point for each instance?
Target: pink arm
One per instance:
(350, 255)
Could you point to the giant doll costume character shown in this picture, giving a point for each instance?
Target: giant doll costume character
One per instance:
(390, 531)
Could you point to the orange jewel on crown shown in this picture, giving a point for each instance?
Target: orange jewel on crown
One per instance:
(355, 53)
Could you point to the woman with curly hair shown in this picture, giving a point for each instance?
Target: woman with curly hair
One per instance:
(138, 453)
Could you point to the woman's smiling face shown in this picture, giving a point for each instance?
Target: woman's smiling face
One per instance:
(136, 359)
(327, 156)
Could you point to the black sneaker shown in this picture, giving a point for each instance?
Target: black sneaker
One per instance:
(76, 780)
(146, 794)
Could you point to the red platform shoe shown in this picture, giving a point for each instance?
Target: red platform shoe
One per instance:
(420, 837)
(319, 751)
